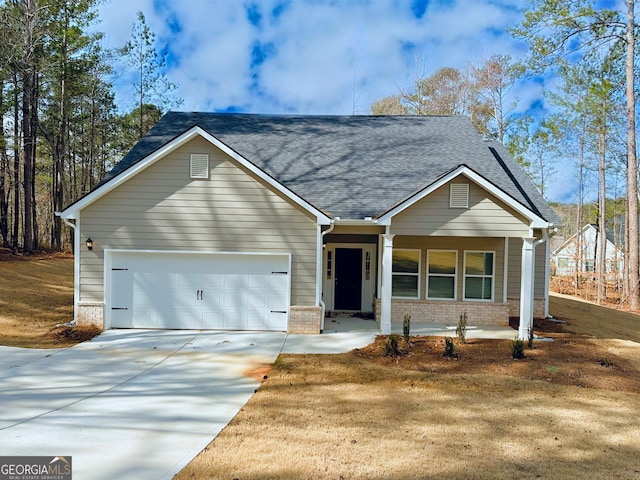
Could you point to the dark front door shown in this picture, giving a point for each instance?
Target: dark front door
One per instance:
(348, 278)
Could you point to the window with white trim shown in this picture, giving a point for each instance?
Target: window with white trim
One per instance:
(479, 268)
(199, 165)
(405, 271)
(441, 274)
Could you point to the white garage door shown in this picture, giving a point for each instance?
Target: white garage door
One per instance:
(198, 291)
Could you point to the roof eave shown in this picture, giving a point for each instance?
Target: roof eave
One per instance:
(536, 221)
(73, 210)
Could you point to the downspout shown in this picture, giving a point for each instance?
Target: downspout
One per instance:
(320, 261)
(545, 238)
(74, 322)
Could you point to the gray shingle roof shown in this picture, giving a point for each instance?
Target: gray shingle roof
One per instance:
(352, 166)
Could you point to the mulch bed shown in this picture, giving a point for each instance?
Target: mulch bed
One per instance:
(567, 360)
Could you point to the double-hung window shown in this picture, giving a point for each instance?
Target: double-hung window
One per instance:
(441, 274)
(405, 282)
(479, 270)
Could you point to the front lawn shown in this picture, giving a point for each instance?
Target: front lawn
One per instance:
(570, 409)
(36, 294)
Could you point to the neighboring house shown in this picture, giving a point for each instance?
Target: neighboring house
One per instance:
(580, 253)
(256, 222)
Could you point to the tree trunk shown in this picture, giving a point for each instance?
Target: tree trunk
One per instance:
(602, 207)
(16, 165)
(29, 150)
(632, 166)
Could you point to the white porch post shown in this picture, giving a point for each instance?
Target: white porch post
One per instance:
(526, 288)
(385, 293)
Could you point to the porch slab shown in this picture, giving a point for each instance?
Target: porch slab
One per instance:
(492, 332)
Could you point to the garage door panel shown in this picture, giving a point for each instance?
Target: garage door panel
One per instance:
(276, 319)
(215, 291)
(189, 320)
(257, 321)
(257, 300)
(233, 319)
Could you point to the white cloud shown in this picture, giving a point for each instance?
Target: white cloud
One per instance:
(322, 50)
(322, 55)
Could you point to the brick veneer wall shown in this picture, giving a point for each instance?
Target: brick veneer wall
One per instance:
(538, 307)
(301, 319)
(447, 313)
(305, 319)
(91, 313)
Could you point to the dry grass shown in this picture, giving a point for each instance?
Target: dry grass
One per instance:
(587, 318)
(36, 294)
(562, 413)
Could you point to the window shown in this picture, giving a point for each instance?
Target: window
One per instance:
(367, 266)
(199, 165)
(329, 264)
(589, 266)
(563, 262)
(478, 275)
(459, 195)
(441, 274)
(405, 272)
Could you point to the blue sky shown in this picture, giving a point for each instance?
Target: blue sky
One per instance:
(317, 56)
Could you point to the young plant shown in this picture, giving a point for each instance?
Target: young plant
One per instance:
(449, 348)
(517, 349)
(530, 338)
(391, 348)
(406, 328)
(461, 329)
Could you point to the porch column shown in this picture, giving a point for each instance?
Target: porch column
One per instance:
(385, 291)
(526, 288)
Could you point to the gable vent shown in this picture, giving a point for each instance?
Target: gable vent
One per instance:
(459, 195)
(199, 165)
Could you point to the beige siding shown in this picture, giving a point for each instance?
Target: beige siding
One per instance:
(486, 216)
(460, 245)
(163, 209)
(515, 267)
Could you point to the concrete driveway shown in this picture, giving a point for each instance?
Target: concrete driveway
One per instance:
(128, 404)
(140, 404)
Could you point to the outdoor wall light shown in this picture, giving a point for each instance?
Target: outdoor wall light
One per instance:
(89, 243)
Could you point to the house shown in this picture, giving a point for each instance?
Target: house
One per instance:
(259, 222)
(580, 253)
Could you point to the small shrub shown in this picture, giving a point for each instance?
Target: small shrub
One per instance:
(449, 348)
(406, 327)
(391, 348)
(517, 349)
(461, 329)
(530, 338)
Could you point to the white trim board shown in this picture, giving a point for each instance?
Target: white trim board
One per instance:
(535, 220)
(72, 212)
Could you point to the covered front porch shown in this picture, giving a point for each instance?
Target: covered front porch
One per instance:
(432, 279)
(345, 323)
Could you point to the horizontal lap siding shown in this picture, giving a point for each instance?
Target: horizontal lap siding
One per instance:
(486, 216)
(161, 208)
(515, 267)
